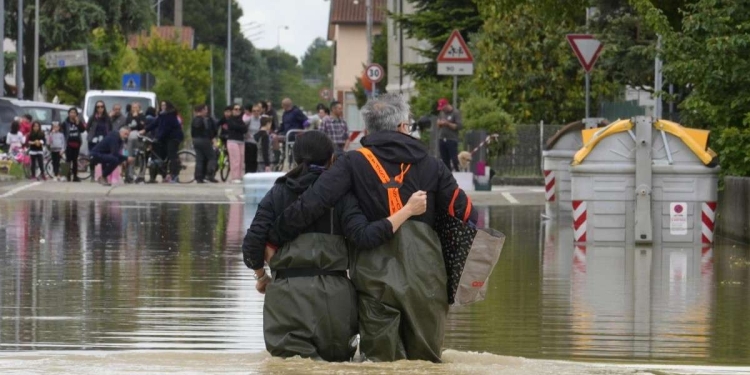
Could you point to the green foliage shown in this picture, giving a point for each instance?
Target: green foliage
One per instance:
(251, 78)
(109, 58)
(526, 63)
(67, 24)
(433, 21)
(189, 67)
(208, 18)
(484, 113)
(316, 63)
(734, 151)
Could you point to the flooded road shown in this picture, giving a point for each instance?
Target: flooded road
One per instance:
(161, 288)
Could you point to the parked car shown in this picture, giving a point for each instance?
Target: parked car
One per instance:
(45, 113)
(8, 113)
(123, 98)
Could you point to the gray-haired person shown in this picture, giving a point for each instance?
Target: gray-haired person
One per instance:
(401, 285)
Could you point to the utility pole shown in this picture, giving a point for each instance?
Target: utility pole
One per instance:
(368, 4)
(212, 82)
(19, 53)
(158, 13)
(2, 47)
(228, 83)
(36, 51)
(178, 13)
(658, 80)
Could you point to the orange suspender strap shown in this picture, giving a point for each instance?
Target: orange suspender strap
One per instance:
(394, 198)
(452, 208)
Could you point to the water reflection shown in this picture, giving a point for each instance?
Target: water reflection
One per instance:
(112, 275)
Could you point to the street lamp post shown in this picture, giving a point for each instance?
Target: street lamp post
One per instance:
(36, 51)
(19, 52)
(278, 35)
(228, 83)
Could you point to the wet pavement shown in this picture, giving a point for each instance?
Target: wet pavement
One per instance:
(161, 288)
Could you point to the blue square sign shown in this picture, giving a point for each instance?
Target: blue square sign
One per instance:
(131, 82)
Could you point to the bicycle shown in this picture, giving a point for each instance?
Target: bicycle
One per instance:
(146, 157)
(222, 161)
(288, 152)
(83, 173)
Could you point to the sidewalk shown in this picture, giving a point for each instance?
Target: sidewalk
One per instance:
(211, 193)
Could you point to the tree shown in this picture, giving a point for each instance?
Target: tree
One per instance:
(190, 67)
(251, 78)
(484, 113)
(67, 24)
(433, 21)
(526, 63)
(208, 18)
(316, 63)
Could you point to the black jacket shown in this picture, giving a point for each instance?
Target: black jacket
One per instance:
(293, 119)
(36, 136)
(137, 122)
(237, 129)
(167, 127)
(203, 128)
(110, 145)
(346, 218)
(353, 173)
(72, 132)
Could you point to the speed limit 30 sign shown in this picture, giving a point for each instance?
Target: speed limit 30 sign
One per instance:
(375, 73)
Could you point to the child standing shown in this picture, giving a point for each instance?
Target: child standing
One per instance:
(15, 139)
(35, 142)
(56, 143)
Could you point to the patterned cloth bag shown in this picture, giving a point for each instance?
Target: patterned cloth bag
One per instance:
(470, 255)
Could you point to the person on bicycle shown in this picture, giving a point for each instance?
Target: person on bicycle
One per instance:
(98, 127)
(136, 121)
(169, 135)
(108, 153)
(73, 128)
(203, 131)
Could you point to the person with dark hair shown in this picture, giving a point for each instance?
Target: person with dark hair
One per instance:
(136, 121)
(223, 125)
(168, 137)
(98, 127)
(203, 131)
(35, 143)
(310, 307)
(404, 282)
(268, 110)
(108, 153)
(73, 129)
(15, 139)
(25, 124)
(336, 128)
(251, 146)
(263, 143)
(236, 144)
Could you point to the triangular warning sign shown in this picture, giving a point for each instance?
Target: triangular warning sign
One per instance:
(586, 48)
(455, 50)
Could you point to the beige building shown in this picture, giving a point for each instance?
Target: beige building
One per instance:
(401, 51)
(347, 28)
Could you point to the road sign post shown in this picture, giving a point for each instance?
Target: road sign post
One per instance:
(131, 82)
(375, 74)
(325, 94)
(587, 49)
(455, 59)
(67, 59)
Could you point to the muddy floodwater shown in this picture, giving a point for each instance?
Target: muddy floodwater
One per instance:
(90, 287)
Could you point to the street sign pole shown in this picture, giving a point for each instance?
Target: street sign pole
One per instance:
(19, 53)
(88, 78)
(455, 91)
(588, 94)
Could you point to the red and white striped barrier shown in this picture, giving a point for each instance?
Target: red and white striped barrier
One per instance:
(707, 260)
(579, 221)
(487, 141)
(549, 185)
(708, 220)
(356, 136)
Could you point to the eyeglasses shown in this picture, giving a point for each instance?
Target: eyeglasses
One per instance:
(238, 109)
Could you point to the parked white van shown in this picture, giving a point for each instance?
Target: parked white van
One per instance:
(123, 98)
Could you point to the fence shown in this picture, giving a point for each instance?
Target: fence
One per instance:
(525, 158)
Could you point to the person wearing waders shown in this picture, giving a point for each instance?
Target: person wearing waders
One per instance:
(310, 307)
(401, 285)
